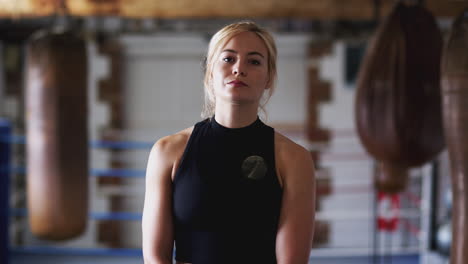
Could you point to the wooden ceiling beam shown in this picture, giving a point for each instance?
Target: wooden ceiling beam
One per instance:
(313, 9)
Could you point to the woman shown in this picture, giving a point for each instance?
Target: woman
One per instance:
(230, 189)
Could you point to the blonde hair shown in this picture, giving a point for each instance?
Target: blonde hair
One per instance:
(218, 41)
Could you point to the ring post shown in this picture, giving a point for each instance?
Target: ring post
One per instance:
(5, 152)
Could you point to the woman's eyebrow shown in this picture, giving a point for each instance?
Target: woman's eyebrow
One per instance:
(250, 53)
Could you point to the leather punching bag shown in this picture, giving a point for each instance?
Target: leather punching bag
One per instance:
(57, 134)
(455, 109)
(398, 113)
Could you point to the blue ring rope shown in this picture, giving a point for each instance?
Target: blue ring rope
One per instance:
(126, 173)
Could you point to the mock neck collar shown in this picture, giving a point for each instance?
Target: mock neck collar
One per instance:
(220, 128)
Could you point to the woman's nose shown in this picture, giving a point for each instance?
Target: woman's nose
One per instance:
(239, 70)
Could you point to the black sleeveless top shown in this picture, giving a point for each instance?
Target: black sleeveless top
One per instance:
(226, 195)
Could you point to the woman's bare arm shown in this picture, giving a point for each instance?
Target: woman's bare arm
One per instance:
(157, 227)
(296, 226)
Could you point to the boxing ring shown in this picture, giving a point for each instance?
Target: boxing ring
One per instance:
(6, 140)
(380, 242)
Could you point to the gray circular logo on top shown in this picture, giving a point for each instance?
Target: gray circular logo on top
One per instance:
(254, 168)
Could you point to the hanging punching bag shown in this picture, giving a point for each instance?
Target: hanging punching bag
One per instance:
(455, 109)
(57, 139)
(398, 115)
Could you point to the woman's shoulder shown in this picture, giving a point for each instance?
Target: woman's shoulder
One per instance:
(177, 140)
(172, 145)
(292, 160)
(288, 148)
(166, 153)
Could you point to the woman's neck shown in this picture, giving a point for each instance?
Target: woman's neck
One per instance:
(236, 116)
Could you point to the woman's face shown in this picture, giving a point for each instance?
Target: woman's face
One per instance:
(240, 71)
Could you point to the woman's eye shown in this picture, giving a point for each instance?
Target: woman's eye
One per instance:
(255, 62)
(228, 59)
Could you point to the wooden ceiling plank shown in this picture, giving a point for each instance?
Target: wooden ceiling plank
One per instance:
(313, 9)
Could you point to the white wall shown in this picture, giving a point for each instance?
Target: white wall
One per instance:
(163, 86)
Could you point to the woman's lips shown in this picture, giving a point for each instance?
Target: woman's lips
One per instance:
(237, 83)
